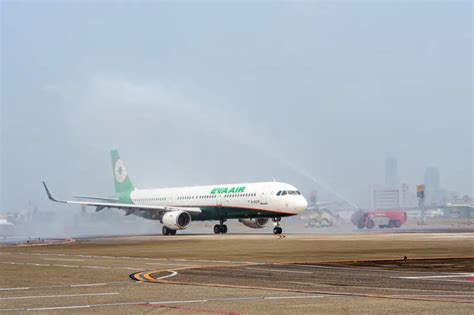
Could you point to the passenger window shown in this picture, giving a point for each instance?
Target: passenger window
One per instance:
(279, 193)
(283, 193)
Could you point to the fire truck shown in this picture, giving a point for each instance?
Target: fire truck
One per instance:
(380, 218)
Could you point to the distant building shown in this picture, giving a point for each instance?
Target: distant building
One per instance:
(407, 196)
(384, 197)
(433, 192)
(391, 197)
(391, 171)
(432, 179)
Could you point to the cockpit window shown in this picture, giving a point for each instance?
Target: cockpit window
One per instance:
(288, 192)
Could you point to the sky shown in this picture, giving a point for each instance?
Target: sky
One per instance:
(316, 94)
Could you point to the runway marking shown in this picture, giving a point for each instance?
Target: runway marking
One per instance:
(64, 259)
(215, 261)
(12, 289)
(69, 286)
(382, 288)
(174, 273)
(162, 264)
(355, 268)
(433, 295)
(454, 275)
(157, 303)
(69, 266)
(369, 269)
(87, 285)
(146, 276)
(134, 258)
(329, 293)
(57, 296)
(293, 297)
(279, 270)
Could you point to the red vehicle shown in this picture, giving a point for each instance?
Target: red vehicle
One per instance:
(380, 218)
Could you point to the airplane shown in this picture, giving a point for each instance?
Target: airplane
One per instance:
(253, 204)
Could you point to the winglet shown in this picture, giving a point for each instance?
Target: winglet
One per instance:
(48, 193)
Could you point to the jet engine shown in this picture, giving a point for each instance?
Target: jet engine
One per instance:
(255, 223)
(176, 220)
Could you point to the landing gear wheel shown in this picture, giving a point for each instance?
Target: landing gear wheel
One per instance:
(277, 230)
(223, 228)
(220, 229)
(167, 231)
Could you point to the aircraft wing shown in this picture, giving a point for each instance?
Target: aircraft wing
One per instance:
(111, 199)
(130, 208)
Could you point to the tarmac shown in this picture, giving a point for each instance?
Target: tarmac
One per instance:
(242, 274)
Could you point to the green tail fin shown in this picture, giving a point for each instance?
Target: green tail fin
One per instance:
(121, 179)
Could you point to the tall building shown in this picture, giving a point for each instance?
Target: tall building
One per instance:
(432, 179)
(391, 171)
(433, 192)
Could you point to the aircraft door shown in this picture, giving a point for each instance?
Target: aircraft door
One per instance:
(263, 197)
(218, 200)
(169, 197)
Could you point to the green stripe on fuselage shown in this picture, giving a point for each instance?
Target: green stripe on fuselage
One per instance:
(216, 213)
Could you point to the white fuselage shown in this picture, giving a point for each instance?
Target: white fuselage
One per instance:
(236, 200)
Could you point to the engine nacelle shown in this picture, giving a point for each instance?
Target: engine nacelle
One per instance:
(176, 220)
(255, 223)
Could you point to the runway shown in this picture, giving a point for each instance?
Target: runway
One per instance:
(406, 283)
(216, 275)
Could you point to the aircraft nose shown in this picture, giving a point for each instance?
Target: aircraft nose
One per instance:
(302, 204)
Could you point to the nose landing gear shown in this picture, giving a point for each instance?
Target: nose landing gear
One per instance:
(277, 229)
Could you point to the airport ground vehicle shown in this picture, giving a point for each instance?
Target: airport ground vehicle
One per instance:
(380, 218)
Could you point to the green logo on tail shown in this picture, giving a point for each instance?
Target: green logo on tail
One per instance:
(122, 181)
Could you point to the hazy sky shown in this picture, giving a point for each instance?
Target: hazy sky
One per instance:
(207, 92)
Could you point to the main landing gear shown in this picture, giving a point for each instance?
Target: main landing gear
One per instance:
(277, 229)
(220, 228)
(167, 231)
